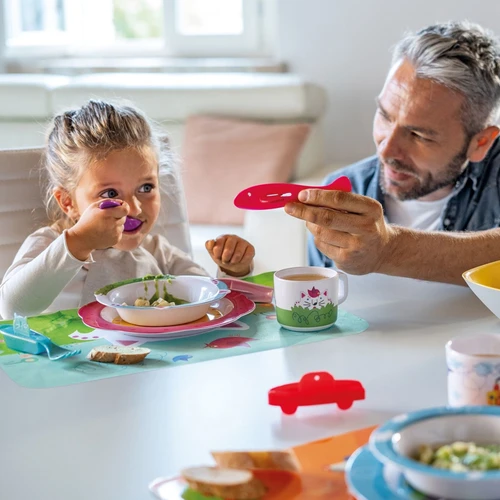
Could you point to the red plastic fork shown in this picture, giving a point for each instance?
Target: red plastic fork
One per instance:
(277, 195)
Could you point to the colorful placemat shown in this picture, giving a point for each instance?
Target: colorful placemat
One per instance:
(321, 477)
(327, 457)
(258, 331)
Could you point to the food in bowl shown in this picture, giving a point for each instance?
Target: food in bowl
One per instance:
(460, 456)
(192, 297)
(144, 302)
(158, 298)
(396, 444)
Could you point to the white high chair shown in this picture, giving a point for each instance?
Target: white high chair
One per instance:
(22, 210)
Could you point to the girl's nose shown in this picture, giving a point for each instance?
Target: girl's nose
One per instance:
(135, 206)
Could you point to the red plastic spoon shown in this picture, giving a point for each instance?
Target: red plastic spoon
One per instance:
(131, 223)
(267, 196)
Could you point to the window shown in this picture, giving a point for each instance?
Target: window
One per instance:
(199, 28)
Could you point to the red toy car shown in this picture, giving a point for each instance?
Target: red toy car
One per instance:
(316, 388)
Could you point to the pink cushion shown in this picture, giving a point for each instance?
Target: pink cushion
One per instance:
(222, 156)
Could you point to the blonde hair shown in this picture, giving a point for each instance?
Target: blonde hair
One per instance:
(79, 137)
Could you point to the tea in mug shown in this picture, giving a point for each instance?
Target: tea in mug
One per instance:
(305, 277)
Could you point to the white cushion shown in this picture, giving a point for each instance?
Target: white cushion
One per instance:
(28, 96)
(170, 98)
(23, 134)
(28, 101)
(272, 96)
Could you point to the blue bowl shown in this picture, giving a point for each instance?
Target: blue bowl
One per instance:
(397, 441)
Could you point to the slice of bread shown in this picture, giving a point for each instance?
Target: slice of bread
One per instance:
(278, 460)
(224, 483)
(118, 354)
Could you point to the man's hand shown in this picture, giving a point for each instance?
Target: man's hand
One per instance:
(232, 254)
(96, 229)
(348, 228)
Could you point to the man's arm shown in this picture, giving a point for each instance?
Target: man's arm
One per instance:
(351, 230)
(439, 256)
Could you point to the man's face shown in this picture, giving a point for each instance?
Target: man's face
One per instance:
(421, 142)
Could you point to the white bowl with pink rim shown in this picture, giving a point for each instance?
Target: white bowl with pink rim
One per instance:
(197, 294)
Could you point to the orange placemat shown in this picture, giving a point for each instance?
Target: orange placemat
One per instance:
(316, 480)
(317, 457)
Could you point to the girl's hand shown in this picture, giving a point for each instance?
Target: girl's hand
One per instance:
(232, 254)
(96, 229)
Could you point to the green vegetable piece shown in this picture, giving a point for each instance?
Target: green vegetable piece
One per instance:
(460, 448)
(439, 463)
(106, 289)
(170, 298)
(156, 295)
(150, 277)
(492, 461)
(445, 452)
(461, 456)
(425, 454)
(458, 468)
(471, 459)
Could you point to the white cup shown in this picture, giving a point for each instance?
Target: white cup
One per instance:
(473, 369)
(310, 303)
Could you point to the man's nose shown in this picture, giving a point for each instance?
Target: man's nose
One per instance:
(391, 145)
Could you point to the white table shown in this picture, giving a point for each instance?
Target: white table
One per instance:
(108, 439)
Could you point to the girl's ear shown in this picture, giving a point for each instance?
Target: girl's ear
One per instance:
(66, 203)
(481, 143)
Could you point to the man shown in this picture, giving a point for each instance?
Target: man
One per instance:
(427, 206)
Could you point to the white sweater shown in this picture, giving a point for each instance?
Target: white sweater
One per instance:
(45, 277)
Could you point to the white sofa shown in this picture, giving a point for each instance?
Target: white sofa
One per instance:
(28, 101)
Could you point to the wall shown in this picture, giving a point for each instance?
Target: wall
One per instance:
(345, 45)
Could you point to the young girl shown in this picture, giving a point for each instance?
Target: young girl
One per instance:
(100, 152)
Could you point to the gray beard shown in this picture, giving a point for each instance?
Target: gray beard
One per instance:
(429, 185)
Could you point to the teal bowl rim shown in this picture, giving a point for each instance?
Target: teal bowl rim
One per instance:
(381, 441)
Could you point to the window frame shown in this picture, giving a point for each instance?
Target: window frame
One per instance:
(248, 43)
(22, 39)
(254, 42)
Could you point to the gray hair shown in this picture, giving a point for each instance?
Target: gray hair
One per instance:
(463, 57)
(81, 136)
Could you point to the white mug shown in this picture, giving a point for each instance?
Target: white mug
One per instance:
(306, 298)
(474, 369)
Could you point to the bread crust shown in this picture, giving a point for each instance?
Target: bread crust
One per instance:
(119, 355)
(224, 483)
(278, 460)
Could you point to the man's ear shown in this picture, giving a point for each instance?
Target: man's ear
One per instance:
(66, 203)
(481, 143)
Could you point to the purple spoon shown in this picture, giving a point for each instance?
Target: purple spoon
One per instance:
(131, 223)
